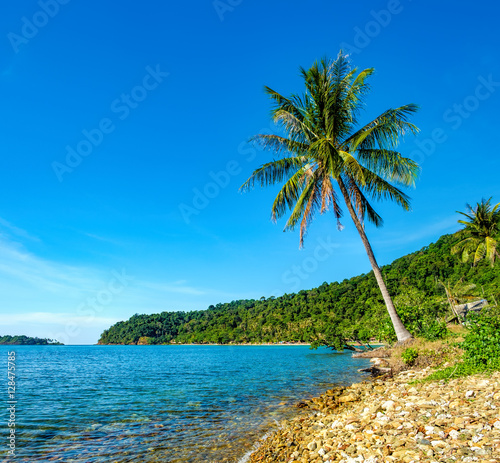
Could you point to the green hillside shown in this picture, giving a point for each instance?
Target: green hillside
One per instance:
(22, 340)
(353, 309)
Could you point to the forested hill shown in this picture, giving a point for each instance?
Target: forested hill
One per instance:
(27, 341)
(353, 307)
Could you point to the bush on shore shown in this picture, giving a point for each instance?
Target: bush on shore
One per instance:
(466, 351)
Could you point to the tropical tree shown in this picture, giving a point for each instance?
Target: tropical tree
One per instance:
(457, 294)
(482, 232)
(324, 146)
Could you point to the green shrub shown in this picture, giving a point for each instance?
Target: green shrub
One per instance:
(482, 343)
(481, 348)
(421, 316)
(454, 371)
(385, 330)
(409, 356)
(433, 329)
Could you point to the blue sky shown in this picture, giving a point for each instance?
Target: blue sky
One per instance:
(157, 100)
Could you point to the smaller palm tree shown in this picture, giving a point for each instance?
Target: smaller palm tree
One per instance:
(482, 233)
(457, 294)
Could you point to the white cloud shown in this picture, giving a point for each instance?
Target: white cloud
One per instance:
(24, 268)
(446, 225)
(48, 298)
(104, 239)
(5, 225)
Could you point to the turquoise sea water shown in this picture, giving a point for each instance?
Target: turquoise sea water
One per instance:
(158, 403)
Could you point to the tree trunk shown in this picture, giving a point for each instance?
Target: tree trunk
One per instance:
(401, 332)
(451, 301)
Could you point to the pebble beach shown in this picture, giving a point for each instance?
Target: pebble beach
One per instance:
(393, 420)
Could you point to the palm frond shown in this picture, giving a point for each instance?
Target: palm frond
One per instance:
(491, 249)
(273, 172)
(361, 204)
(279, 145)
(354, 99)
(379, 188)
(390, 165)
(308, 214)
(289, 194)
(297, 130)
(328, 195)
(480, 253)
(384, 131)
(351, 165)
(309, 190)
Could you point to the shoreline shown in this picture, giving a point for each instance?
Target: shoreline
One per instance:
(391, 420)
(214, 344)
(375, 346)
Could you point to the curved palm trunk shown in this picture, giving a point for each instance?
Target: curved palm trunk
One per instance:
(401, 332)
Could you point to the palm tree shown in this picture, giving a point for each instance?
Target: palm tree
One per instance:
(457, 293)
(323, 146)
(482, 231)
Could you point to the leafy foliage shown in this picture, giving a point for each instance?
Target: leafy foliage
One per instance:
(420, 314)
(482, 343)
(330, 314)
(409, 355)
(454, 371)
(481, 347)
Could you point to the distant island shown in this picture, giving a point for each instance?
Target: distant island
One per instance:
(27, 341)
(423, 284)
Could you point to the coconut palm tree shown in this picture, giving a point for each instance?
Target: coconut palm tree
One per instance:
(482, 232)
(457, 294)
(324, 146)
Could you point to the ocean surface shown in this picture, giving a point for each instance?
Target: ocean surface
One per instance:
(158, 403)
